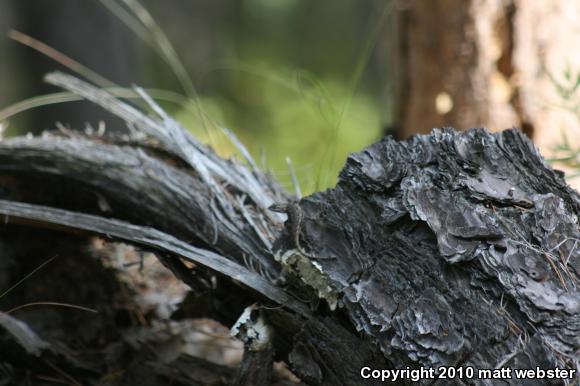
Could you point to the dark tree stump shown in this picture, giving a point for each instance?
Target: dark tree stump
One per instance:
(449, 249)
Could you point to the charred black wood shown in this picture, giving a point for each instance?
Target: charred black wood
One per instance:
(460, 249)
(449, 249)
(256, 368)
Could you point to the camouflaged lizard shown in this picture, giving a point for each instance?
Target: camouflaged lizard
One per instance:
(295, 219)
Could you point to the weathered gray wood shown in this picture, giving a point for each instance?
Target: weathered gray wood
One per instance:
(140, 188)
(148, 238)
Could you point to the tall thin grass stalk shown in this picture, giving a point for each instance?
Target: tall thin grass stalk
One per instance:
(360, 66)
(141, 22)
(61, 58)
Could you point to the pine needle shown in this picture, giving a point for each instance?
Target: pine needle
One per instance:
(27, 276)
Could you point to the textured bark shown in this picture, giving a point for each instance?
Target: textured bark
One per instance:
(256, 368)
(460, 245)
(491, 63)
(450, 249)
(438, 57)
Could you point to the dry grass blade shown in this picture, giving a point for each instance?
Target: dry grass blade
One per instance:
(65, 97)
(57, 304)
(140, 21)
(27, 276)
(61, 58)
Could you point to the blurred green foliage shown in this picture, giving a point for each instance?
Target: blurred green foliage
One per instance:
(299, 80)
(276, 120)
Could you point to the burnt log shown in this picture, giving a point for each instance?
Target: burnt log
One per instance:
(446, 250)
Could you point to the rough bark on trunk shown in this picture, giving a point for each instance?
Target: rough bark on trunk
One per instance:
(450, 249)
(491, 63)
(441, 72)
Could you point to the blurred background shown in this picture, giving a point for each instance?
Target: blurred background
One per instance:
(309, 81)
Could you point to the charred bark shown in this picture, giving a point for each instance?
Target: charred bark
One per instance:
(449, 249)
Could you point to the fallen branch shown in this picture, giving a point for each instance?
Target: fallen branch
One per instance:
(452, 249)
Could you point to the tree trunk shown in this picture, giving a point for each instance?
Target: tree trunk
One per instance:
(489, 63)
(450, 249)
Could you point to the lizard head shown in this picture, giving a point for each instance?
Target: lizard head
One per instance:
(279, 208)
